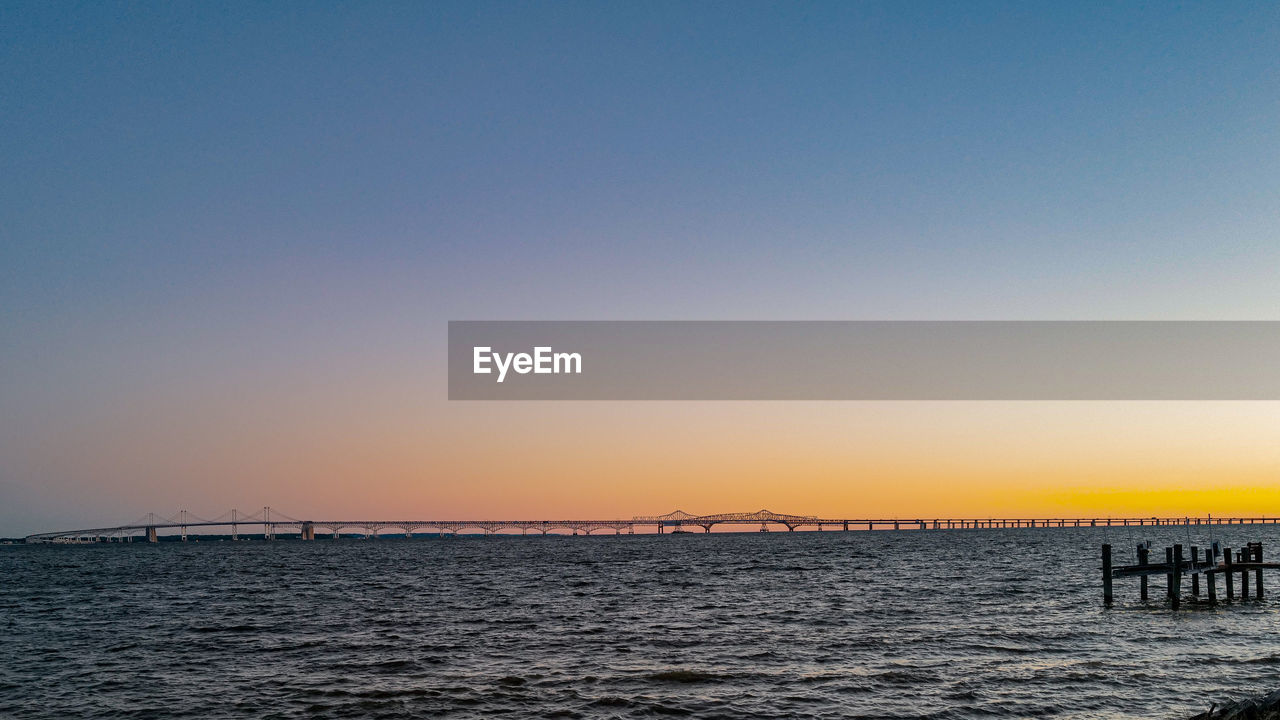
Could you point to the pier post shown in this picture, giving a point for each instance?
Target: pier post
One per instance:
(1168, 577)
(1244, 574)
(1226, 559)
(1195, 576)
(1143, 552)
(1106, 575)
(1177, 576)
(1257, 574)
(1212, 578)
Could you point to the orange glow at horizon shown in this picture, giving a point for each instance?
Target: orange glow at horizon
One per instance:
(379, 456)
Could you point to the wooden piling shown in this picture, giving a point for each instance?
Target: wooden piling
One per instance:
(1168, 578)
(1243, 556)
(1106, 575)
(1176, 598)
(1143, 552)
(1226, 559)
(1257, 575)
(1195, 576)
(1212, 579)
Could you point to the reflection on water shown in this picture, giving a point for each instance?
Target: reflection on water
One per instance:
(808, 625)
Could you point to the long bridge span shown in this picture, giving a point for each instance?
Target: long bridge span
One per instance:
(270, 524)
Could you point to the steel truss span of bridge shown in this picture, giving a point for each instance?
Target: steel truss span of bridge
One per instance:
(269, 524)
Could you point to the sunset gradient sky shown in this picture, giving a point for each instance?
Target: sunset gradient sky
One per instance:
(231, 237)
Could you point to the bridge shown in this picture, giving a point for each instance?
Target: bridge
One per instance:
(269, 524)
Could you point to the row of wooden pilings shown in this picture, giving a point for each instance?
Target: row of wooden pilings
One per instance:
(1175, 565)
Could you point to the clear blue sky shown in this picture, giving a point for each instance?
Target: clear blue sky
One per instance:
(198, 193)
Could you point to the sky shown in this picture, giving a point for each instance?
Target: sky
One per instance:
(231, 237)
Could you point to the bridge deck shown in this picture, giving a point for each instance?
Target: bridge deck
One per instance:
(271, 522)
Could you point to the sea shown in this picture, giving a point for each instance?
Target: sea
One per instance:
(884, 624)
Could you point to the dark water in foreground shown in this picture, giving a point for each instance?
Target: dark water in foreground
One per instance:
(956, 624)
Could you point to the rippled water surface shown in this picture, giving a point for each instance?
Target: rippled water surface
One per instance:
(959, 624)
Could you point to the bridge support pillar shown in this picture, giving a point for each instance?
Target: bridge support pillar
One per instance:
(151, 535)
(308, 531)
